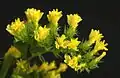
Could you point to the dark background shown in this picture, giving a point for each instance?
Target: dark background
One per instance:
(103, 15)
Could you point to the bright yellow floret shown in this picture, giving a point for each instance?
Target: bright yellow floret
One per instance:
(54, 16)
(94, 36)
(73, 20)
(22, 65)
(15, 27)
(41, 33)
(13, 51)
(73, 44)
(60, 42)
(100, 45)
(72, 61)
(46, 67)
(33, 15)
(62, 67)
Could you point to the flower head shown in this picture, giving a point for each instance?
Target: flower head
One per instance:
(72, 61)
(22, 65)
(73, 20)
(13, 51)
(33, 15)
(73, 44)
(94, 36)
(60, 42)
(15, 27)
(54, 16)
(46, 67)
(62, 67)
(41, 33)
(100, 45)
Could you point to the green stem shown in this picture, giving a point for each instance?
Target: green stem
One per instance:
(36, 75)
(6, 65)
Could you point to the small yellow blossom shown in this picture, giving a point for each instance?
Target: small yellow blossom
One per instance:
(60, 42)
(100, 45)
(46, 67)
(94, 36)
(22, 65)
(52, 74)
(73, 20)
(72, 62)
(13, 51)
(33, 15)
(73, 44)
(62, 67)
(15, 27)
(41, 33)
(54, 16)
(52, 65)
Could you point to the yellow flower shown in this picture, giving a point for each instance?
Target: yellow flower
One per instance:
(60, 42)
(100, 45)
(62, 67)
(54, 16)
(94, 36)
(15, 27)
(22, 65)
(13, 51)
(46, 67)
(33, 15)
(73, 44)
(41, 33)
(73, 20)
(72, 62)
(52, 65)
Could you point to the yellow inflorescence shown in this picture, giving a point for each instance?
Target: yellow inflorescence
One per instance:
(33, 15)
(15, 27)
(94, 36)
(41, 33)
(46, 67)
(62, 67)
(73, 20)
(60, 41)
(21, 65)
(100, 45)
(73, 44)
(13, 51)
(54, 16)
(72, 62)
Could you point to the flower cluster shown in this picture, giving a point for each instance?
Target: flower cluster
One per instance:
(32, 40)
(54, 16)
(33, 15)
(70, 44)
(73, 20)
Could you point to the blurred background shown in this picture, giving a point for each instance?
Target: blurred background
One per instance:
(98, 14)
